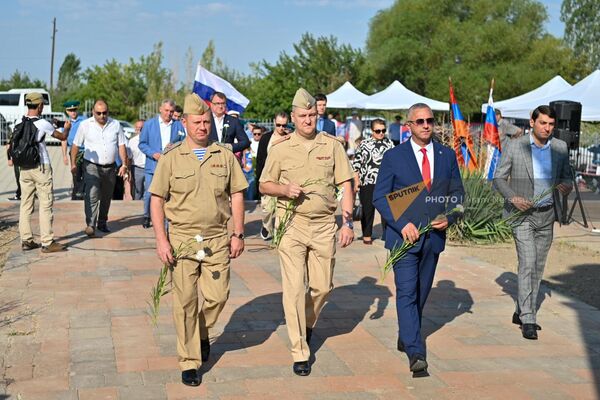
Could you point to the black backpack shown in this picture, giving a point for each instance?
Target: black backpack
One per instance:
(24, 147)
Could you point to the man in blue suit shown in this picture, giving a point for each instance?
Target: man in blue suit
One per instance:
(324, 124)
(156, 134)
(418, 160)
(225, 128)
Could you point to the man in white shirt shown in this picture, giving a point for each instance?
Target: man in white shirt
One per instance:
(38, 180)
(138, 163)
(355, 128)
(103, 139)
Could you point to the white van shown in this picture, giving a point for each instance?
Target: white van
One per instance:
(12, 104)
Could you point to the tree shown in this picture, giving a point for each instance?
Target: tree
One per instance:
(422, 42)
(69, 80)
(126, 87)
(69, 76)
(21, 80)
(217, 66)
(582, 31)
(157, 79)
(122, 86)
(318, 65)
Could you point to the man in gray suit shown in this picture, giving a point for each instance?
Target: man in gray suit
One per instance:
(530, 167)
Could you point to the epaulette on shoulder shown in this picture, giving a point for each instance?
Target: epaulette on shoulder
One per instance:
(227, 146)
(283, 139)
(171, 147)
(337, 138)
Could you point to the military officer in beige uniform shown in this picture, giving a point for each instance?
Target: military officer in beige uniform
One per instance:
(307, 249)
(192, 187)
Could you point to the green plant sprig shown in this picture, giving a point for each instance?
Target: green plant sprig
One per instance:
(290, 209)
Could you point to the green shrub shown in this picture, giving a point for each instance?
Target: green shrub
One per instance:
(482, 220)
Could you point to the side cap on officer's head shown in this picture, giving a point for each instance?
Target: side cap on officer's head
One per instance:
(194, 105)
(34, 98)
(303, 99)
(71, 104)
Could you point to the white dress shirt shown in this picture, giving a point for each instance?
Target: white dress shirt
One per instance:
(101, 142)
(165, 132)
(219, 126)
(419, 155)
(133, 151)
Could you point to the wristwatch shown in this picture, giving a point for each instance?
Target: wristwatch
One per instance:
(349, 224)
(238, 235)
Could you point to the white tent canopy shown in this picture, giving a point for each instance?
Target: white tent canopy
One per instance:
(344, 95)
(397, 97)
(554, 85)
(586, 92)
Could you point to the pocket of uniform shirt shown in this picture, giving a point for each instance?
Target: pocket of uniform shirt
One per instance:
(325, 163)
(184, 179)
(219, 179)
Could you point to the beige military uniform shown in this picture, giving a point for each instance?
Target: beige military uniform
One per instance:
(196, 197)
(307, 249)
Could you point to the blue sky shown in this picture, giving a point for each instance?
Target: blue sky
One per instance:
(244, 31)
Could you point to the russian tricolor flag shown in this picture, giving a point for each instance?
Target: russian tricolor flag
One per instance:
(206, 83)
(492, 136)
(405, 133)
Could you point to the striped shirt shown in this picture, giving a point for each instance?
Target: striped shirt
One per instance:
(200, 153)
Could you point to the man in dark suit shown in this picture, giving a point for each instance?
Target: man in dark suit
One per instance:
(225, 128)
(324, 124)
(531, 166)
(156, 134)
(418, 160)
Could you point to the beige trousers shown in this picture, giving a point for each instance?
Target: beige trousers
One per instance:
(36, 181)
(307, 257)
(268, 204)
(212, 275)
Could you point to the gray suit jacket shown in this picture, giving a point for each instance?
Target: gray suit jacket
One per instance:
(514, 175)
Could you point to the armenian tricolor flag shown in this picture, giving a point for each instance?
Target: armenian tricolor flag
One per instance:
(463, 142)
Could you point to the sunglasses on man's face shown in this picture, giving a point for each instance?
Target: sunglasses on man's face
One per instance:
(379, 130)
(101, 112)
(281, 125)
(421, 121)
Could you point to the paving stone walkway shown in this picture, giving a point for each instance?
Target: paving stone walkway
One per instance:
(74, 326)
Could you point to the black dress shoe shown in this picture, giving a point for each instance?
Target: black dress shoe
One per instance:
(400, 346)
(103, 228)
(302, 368)
(529, 331)
(190, 377)
(308, 335)
(517, 321)
(146, 224)
(204, 349)
(418, 364)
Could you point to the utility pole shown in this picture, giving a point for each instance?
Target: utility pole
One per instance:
(52, 57)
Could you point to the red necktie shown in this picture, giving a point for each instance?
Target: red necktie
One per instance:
(426, 170)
